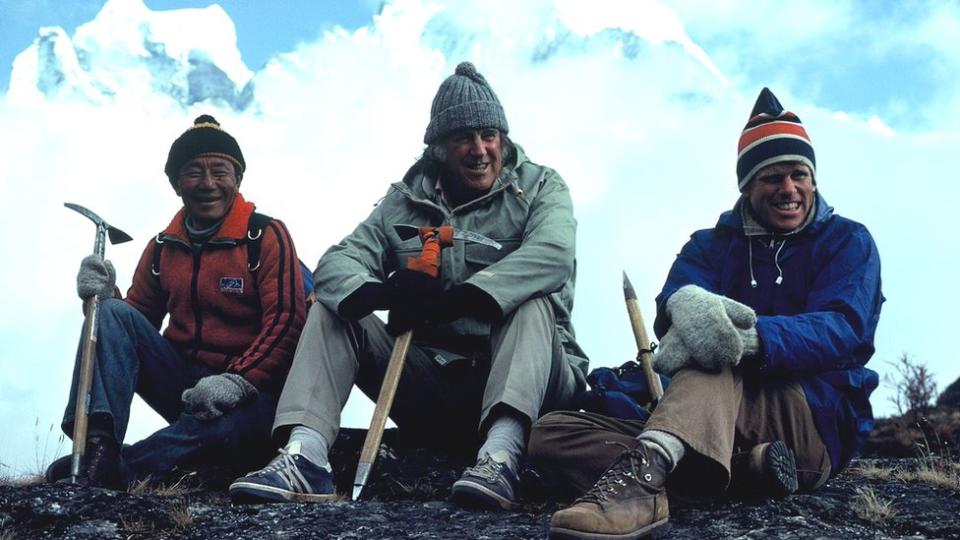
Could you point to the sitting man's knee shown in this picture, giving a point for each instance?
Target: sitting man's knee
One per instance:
(543, 434)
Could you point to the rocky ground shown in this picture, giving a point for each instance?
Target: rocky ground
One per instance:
(406, 500)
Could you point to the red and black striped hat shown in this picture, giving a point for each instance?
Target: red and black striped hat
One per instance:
(772, 135)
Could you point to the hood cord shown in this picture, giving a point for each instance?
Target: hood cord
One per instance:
(776, 262)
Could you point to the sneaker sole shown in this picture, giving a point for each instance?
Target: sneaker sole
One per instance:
(660, 529)
(248, 492)
(781, 466)
(474, 495)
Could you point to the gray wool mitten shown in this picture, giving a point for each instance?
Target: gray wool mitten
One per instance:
(216, 394)
(701, 321)
(745, 320)
(96, 277)
(671, 355)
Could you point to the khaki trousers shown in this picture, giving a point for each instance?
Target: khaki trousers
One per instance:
(444, 393)
(716, 415)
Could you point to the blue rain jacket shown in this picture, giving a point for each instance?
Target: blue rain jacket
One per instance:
(816, 326)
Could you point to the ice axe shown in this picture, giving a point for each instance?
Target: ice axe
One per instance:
(88, 355)
(434, 239)
(644, 345)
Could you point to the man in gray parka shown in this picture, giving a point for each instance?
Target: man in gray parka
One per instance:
(493, 345)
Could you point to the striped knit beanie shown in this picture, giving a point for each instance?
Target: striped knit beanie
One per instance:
(204, 138)
(772, 135)
(464, 101)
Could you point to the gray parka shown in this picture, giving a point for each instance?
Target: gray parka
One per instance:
(528, 210)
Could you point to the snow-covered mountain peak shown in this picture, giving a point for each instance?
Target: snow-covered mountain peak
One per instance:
(129, 52)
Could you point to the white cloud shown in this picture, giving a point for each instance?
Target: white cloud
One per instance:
(643, 131)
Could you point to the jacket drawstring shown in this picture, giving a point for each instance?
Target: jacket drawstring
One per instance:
(776, 262)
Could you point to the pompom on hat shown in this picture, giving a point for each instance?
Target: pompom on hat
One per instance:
(464, 101)
(772, 135)
(204, 138)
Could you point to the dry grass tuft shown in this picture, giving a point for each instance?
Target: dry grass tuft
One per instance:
(8, 535)
(12, 480)
(935, 471)
(936, 467)
(181, 516)
(135, 527)
(44, 453)
(873, 471)
(146, 487)
(871, 508)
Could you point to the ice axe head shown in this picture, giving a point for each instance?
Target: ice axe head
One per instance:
(104, 229)
(434, 239)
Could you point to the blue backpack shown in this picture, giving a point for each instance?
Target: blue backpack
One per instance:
(618, 392)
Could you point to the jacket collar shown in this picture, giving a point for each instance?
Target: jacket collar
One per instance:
(234, 227)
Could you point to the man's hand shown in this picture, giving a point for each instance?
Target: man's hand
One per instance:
(368, 298)
(96, 277)
(671, 355)
(216, 394)
(715, 331)
(414, 299)
(744, 319)
(466, 300)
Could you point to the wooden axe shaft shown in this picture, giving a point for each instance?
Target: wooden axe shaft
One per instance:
(391, 380)
(81, 409)
(643, 341)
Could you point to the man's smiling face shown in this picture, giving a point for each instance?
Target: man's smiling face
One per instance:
(781, 195)
(208, 186)
(474, 158)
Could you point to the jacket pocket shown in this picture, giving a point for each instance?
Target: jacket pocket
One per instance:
(479, 256)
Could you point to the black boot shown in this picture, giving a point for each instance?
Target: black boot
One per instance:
(99, 467)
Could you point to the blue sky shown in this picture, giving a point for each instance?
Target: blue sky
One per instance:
(637, 104)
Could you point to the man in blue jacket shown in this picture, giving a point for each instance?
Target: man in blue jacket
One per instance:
(766, 322)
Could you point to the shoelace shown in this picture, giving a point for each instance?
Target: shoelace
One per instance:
(616, 476)
(285, 466)
(488, 469)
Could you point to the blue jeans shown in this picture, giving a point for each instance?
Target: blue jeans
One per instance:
(132, 357)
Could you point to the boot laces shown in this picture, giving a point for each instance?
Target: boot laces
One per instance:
(488, 469)
(625, 469)
(285, 466)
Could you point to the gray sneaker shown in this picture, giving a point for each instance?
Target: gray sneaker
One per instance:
(488, 484)
(289, 477)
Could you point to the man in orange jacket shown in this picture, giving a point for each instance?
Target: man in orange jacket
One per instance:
(215, 373)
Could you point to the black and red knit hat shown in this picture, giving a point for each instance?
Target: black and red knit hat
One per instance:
(772, 135)
(204, 138)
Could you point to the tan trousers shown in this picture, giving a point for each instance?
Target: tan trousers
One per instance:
(716, 415)
(444, 393)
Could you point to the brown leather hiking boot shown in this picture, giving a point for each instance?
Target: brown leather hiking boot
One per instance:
(627, 502)
(766, 470)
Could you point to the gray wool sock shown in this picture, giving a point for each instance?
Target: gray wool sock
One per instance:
(504, 442)
(666, 444)
(312, 445)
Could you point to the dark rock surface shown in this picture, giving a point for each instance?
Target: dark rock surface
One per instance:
(406, 500)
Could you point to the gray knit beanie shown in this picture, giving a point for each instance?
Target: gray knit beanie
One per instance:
(464, 101)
